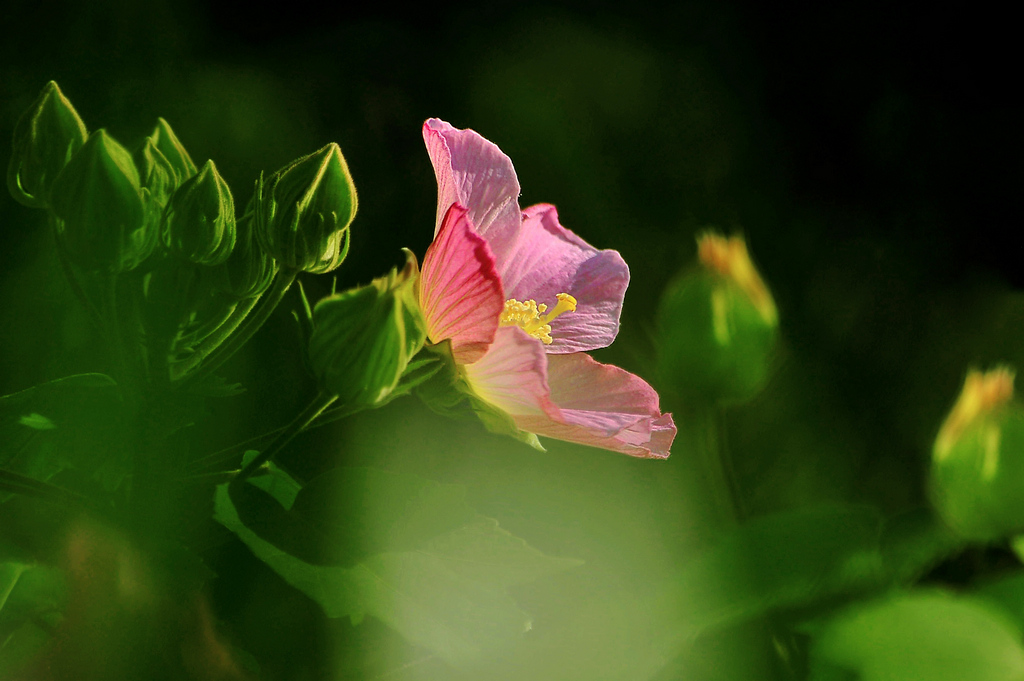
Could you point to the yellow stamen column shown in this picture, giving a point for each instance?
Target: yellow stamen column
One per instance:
(530, 317)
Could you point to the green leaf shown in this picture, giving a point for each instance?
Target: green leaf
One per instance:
(915, 636)
(274, 482)
(785, 560)
(73, 422)
(37, 421)
(448, 596)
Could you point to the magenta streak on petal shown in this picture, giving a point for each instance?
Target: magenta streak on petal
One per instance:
(513, 375)
(603, 406)
(472, 171)
(460, 292)
(547, 259)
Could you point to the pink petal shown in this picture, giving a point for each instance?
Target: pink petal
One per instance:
(603, 406)
(472, 171)
(547, 259)
(460, 292)
(513, 375)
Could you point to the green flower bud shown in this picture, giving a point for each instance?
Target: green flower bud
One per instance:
(97, 201)
(167, 142)
(718, 326)
(977, 471)
(249, 270)
(304, 209)
(155, 172)
(45, 138)
(199, 221)
(363, 339)
(158, 181)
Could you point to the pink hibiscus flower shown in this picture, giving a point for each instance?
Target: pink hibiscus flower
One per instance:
(521, 298)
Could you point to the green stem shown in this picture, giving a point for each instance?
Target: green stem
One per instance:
(298, 424)
(282, 281)
(227, 455)
(716, 470)
(213, 341)
(113, 326)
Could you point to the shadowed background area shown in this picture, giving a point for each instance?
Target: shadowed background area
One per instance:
(871, 155)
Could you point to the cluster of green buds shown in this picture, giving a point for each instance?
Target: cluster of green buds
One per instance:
(718, 325)
(977, 470)
(163, 165)
(200, 268)
(363, 339)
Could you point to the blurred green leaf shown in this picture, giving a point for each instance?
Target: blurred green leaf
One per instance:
(913, 542)
(37, 421)
(785, 560)
(347, 514)
(31, 599)
(73, 422)
(1006, 593)
(448, 596)
(910, 637)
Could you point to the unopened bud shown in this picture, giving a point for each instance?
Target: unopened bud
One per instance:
(199, 221)
(155, 172)
(303, 212)
(977, 472)
(157, 180)
(363, 339)
(718, 325)
(99, 206)
(45, 138)
(173, 150)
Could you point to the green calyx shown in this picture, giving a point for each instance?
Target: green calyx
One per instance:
(303, 212)
(249, 270)
(45, 138)
(198, 223)
(363, 338)
(98, 202)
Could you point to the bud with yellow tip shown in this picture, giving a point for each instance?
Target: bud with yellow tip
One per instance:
(977, 472)
(718, 325)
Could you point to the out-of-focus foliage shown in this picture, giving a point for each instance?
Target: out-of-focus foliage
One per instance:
(922, 636)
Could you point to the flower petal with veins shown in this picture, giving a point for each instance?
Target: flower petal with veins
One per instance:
(460, 292)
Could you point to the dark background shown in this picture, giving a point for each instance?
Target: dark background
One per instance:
(871, 155)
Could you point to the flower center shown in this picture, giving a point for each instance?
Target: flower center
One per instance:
(530, 317)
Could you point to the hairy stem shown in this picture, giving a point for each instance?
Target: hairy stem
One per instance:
(246, 329)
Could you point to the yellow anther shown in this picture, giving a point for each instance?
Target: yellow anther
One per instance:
(566, 303)
(527, 315)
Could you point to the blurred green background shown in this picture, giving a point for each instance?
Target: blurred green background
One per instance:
(871, 155)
